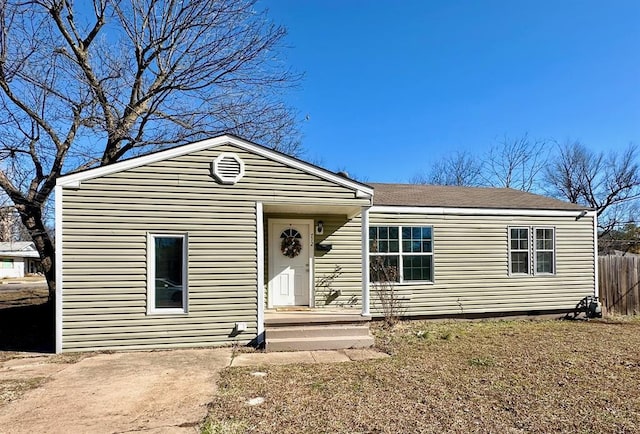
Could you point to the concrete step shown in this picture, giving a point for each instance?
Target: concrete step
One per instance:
(316, 331)
(319, 343)
(302, 318)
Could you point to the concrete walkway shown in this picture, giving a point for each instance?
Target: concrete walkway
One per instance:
(135, 392)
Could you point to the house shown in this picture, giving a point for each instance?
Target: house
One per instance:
(210, 242)
(18, 258)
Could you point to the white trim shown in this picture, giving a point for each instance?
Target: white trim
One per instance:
(260, 268)
(310, 248)
(596, 283)
(151, 272)
(476, 211)
(58, 194)
(226, 139)
(365, 262)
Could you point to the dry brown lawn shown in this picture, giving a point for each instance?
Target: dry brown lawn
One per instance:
(493, 376)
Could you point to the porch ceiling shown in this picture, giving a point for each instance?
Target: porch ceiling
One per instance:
(293, 208)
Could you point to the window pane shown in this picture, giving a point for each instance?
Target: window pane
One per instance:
(406, 233)
(426, 233)
(383, 269)
(373, 233)
(393, 233)
(416, 246)
(519, 263)
(426, 246)
(383, 239)
(417, 268)
(406, 245)
(416, 239)
(544, 262)
(544, 239)
(168, 273)
(519, 239)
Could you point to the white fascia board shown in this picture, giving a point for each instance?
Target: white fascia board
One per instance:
(479, 211)
(74, 179)
(58, 192)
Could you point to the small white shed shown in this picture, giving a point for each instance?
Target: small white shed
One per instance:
(18, 258)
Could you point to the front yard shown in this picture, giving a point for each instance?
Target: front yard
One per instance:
(493, 376)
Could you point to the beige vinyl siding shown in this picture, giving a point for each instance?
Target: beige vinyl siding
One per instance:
(345, 238)
(105, 226)
(471, 272)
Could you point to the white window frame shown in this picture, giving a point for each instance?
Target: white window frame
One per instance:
(151, 274)
(400, 254)
(528, 250)
(536, 250)
(532, 251)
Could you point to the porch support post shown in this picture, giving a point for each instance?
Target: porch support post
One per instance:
(260, 268)
(365, 261)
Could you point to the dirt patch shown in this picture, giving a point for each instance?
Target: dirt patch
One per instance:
(493, 376)
(10, 297)
(157, 391)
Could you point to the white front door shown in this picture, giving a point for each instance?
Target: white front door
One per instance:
(290, 262)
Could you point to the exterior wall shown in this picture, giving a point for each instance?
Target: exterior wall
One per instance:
(346, 252)
(471, 266)
(16, 270)
(105, 223)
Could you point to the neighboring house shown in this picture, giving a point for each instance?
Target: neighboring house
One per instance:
(197, 245)
(18, 258)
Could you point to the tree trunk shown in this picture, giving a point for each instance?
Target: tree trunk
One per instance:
(31, 216)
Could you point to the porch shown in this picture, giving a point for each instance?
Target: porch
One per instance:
(308, 329)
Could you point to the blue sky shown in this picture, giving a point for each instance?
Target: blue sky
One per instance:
(391, 86)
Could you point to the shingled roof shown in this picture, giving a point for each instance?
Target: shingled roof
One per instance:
(464, 197)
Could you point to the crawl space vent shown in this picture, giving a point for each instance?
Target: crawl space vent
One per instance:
(228, 168)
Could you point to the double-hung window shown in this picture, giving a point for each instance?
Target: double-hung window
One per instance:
(532, 242)
(167, 273)
(401, 253)
(544, 247)
(519, 254)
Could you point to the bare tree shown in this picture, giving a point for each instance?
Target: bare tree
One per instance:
(610, 183)
(459, 168)
(515, 163)
(87, 84)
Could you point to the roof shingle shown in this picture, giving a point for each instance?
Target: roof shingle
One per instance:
(464, 197)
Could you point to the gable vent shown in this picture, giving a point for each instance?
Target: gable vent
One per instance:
(228, 168)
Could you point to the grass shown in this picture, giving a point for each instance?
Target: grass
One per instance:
(493, 376)
(10, 390)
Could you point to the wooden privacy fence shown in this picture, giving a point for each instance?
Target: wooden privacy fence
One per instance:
(619, 285)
